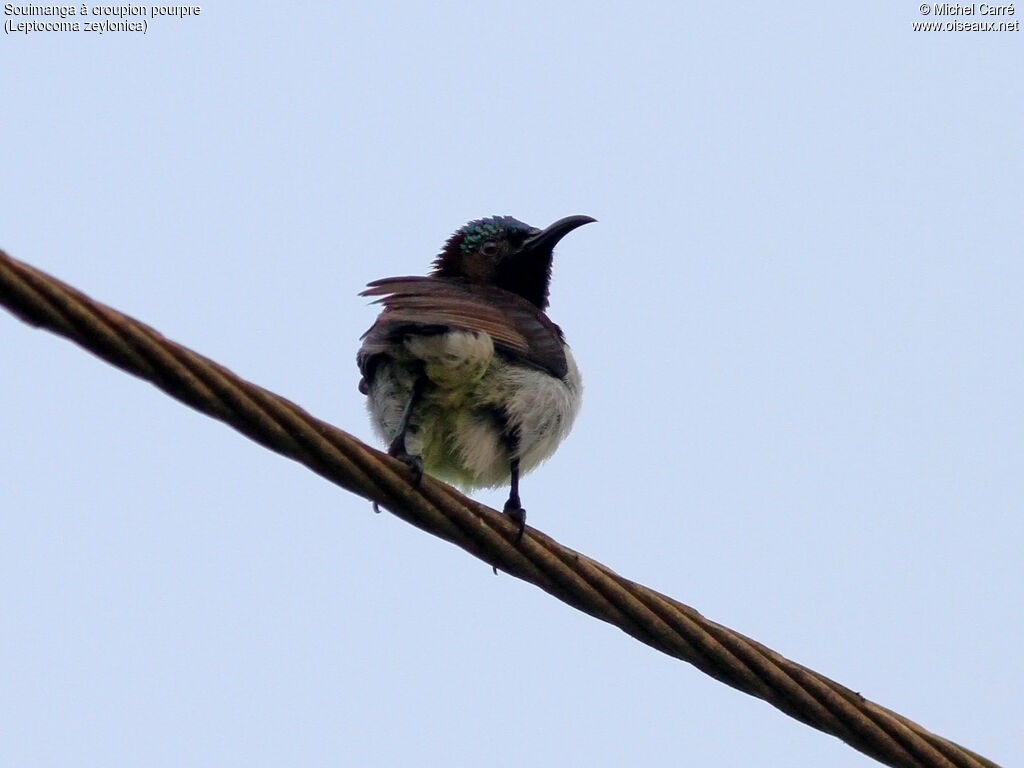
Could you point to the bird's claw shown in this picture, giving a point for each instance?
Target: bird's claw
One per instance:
(414, 463)
(517, 515)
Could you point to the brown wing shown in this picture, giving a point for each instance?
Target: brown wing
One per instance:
(430, 305)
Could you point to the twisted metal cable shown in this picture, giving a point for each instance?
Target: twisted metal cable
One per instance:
(585, 584)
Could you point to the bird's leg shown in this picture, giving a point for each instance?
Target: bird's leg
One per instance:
(397, 447)
(514, 507)
(510, 437)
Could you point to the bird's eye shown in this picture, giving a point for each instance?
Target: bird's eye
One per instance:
(490, 248)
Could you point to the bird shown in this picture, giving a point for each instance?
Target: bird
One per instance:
(465, 376)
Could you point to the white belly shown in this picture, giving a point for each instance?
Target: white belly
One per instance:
(473, 392)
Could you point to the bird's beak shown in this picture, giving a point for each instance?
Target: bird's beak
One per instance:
(547, 238)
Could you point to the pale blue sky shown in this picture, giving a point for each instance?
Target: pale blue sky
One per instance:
(799, 322)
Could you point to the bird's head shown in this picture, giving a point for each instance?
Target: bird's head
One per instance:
(506, 253)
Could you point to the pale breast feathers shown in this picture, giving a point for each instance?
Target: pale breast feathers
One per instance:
(430, 305)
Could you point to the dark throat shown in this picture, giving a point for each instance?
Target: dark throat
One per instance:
(527, 274)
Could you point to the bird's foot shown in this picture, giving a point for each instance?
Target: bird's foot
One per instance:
(414, 463)
(516, 513)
